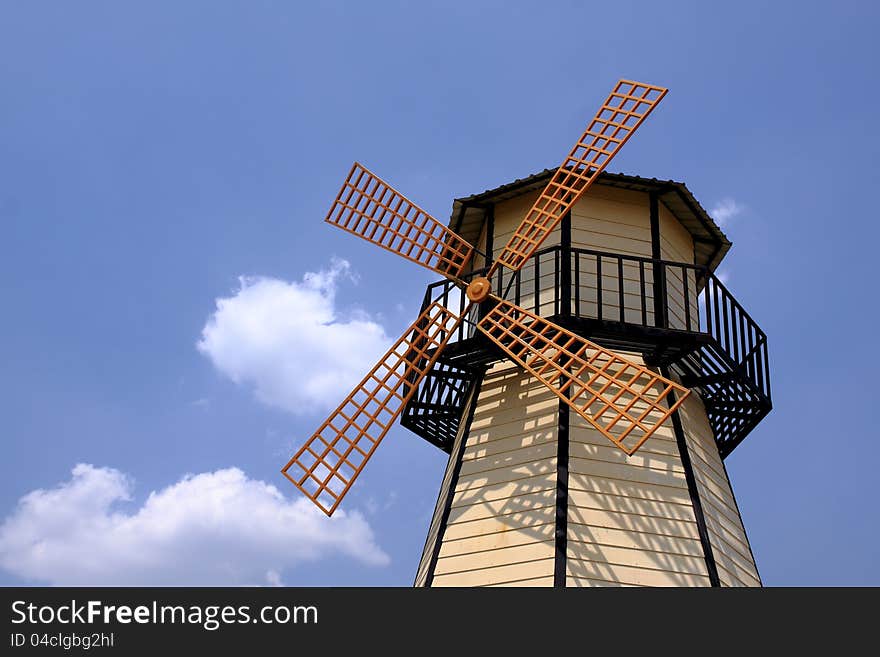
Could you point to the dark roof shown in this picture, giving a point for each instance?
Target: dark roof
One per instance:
(710, 243)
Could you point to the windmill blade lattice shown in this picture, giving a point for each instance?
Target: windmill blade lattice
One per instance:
(617, 119)
(624, 401)
(326, 466)
(370, 208)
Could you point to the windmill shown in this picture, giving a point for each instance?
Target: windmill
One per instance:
(622, 400)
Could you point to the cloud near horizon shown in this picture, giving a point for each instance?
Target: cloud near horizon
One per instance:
(289, 342)
(211, 529)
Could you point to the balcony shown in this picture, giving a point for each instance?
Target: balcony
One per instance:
(677, 315)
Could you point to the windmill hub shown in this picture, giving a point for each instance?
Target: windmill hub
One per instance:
(478, 289)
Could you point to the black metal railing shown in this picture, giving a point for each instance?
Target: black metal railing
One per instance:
(629, 291)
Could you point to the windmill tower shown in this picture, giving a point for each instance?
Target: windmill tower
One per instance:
(586, 380)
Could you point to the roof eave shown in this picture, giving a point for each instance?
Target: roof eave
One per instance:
(467, 211)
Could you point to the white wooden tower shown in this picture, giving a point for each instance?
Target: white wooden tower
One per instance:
(533, 495)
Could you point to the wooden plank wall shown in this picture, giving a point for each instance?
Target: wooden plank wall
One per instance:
(442, 497)
(730, 545)
(502, 521)
(630, 519)
(508, 215)
(676, 244)
(616, 221)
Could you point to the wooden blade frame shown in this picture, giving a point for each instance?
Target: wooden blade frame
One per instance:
(370, 208)
(615, 122)
(328, 463)
(622, 400)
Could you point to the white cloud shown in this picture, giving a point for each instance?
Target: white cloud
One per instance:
(289, 341)
(214, 528)
(725, 210)
(273, 578)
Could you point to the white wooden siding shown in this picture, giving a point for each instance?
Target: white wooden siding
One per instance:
(618, 221)
(436, 519)
(630, 519)
(730, 545)
(610, 220)
(508, 216)
(502, 519)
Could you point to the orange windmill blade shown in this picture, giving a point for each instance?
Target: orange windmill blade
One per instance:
(326, 466)
(620, 115)
(370, 208)
(624, 401)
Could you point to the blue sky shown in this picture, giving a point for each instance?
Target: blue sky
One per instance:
(153, 154)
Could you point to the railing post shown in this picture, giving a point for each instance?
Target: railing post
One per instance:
(707, 307)
(565, 256)
(537, 283)
(656, 265)
(489, 218)
(490, 234)
(687, 299)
